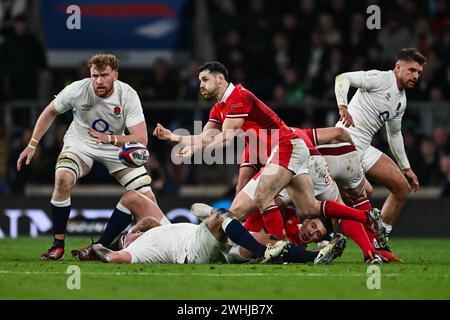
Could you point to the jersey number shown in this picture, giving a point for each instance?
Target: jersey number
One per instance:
(102, 126)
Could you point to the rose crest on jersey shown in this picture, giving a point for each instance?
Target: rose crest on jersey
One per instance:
(117, 111)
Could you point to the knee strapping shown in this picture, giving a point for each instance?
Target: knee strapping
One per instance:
(138, 180)
(69, 163)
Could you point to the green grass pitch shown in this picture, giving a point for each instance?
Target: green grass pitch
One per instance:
(426, 275)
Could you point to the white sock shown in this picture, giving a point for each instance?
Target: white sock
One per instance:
(64, 203)
(122, 208)
(226, 221)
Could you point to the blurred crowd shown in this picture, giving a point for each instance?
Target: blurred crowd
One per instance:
(287, 52)
(292, 50)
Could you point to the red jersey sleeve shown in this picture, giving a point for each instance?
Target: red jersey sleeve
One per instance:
(291, 221)
(239, 105)
(312, 135)
(215, 114)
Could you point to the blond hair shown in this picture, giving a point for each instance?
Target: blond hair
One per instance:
(102, 60)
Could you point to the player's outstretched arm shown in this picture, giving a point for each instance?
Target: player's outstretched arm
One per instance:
(44, 122)
(332, 135)
(230, 129)
(210, 129)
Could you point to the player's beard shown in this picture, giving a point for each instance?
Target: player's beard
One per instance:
(410, 84)
(103, 91)
(208, 95)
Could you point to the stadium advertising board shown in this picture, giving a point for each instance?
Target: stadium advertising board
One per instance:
(31, 216)
(136, 32)
(34, 222)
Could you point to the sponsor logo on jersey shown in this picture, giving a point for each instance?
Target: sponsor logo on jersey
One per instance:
(117, 111)
(236, 105)
(86, 107)
(383, 116)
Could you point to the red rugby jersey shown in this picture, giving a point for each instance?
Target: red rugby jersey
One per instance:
(239, 102)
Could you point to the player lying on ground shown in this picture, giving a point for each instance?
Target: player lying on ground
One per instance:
(300, 233)
(207, 243)
(129, 202)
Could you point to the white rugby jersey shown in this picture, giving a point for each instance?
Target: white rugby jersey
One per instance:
(122, 109)
(165, 244)
(377, 101)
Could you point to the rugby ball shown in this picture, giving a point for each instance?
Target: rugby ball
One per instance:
(133, 154)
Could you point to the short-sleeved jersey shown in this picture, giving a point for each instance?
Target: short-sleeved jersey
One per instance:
(377, 101)
(312, 135)
(259, 119)
(332, 149)
(110, 115)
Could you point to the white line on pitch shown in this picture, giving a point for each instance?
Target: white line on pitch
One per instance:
(259, 274)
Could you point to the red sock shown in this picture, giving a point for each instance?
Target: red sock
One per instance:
(357, 233)
(362, 204)
(273, 221)
(369, 234)
(333, 209)
(254, 222)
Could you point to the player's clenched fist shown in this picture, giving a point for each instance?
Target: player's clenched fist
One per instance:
(162, 133)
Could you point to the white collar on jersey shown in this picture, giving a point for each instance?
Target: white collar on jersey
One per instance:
(227, 93)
